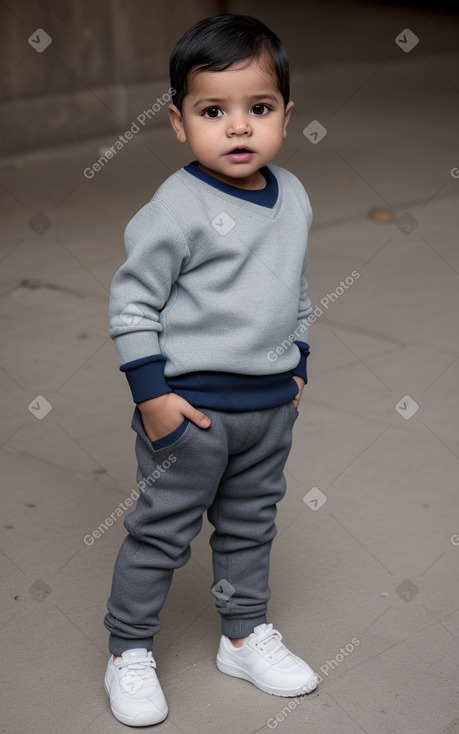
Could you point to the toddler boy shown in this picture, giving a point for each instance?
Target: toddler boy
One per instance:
(209, 317)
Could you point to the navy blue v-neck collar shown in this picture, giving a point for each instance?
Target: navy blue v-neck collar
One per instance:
(263, 197)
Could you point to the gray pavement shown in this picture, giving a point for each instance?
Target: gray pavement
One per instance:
(369, 559)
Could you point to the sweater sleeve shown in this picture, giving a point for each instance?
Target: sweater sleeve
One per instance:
(304, 311)
(156, 250)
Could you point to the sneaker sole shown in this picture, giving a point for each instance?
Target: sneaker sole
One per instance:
(137, 720)
(237, 672)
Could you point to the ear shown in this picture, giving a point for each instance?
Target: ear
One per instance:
(288, 112)
(177, 122)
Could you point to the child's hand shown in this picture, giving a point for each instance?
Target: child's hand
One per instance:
(164, 414)
(300, 382)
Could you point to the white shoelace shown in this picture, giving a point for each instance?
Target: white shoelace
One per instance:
(135, 674)
(269, 642)
(138, 664)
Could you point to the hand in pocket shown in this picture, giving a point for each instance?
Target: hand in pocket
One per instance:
(164, 414)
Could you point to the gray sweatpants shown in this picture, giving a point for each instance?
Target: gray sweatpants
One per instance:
(234, 471)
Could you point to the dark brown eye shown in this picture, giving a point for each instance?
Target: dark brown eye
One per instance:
(258, 109)
(212, 112)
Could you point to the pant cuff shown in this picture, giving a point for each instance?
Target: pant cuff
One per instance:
(118, 645)
(236, 628)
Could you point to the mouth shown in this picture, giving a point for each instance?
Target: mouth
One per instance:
(241, 149)
(240, 154)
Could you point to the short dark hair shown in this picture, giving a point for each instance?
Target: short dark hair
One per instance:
(215, 44)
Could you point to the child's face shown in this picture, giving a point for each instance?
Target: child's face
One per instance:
(236, 108)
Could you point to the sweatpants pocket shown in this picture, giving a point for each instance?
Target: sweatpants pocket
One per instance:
(294, 411)
(170, 438)
(163, 443)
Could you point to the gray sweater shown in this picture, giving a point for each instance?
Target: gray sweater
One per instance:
(212, 302)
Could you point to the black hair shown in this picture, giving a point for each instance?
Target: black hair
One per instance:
(214, 44)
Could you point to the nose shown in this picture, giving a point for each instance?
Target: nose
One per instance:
(239, 124)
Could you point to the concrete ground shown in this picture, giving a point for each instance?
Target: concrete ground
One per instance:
(364, 567)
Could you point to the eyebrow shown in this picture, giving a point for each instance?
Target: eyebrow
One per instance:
(218, 99)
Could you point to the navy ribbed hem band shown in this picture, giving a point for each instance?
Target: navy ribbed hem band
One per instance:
(219, 390)
(228, 391)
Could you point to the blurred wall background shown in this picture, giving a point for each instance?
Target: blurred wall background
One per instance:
(108, 59)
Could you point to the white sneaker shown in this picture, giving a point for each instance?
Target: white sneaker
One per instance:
(265, 661)
(136, 697)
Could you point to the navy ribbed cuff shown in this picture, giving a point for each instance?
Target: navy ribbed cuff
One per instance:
(146, 377)
(301, 368)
